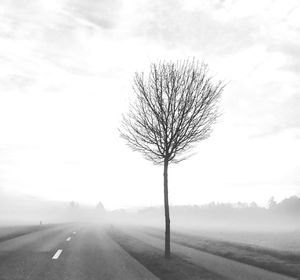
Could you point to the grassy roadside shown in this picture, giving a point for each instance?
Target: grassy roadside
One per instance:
(286, 263)
(10, 232)
(153, 259)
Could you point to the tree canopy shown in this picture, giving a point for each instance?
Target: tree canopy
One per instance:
(175, 107)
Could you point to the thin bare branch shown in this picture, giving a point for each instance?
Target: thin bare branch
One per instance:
(175, 108)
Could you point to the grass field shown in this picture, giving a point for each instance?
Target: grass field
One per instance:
(177, 268)
(286, 262)
(9, 232)
(280, 241)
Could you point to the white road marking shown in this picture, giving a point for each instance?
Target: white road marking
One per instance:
(74, 232)
(57, 254)
(68, 239)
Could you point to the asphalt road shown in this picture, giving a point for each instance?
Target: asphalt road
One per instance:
(68, 252)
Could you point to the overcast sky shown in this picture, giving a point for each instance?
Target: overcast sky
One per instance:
(66, 72)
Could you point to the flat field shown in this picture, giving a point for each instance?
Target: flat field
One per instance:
(281, 240)
(209, 255)
(9, 232)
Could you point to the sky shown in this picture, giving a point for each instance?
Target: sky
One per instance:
(66, 76)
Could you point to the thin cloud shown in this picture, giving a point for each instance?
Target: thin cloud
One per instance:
(201, 30)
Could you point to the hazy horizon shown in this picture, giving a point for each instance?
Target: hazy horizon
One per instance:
(277, 216)
(16, 196)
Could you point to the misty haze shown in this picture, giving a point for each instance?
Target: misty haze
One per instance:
(149, 139)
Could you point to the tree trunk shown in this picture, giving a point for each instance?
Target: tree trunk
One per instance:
(167, 214)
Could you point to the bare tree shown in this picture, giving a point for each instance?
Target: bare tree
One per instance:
(175, 107)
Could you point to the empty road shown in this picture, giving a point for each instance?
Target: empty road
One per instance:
(67, 252)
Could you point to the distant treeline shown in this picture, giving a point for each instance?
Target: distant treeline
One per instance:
(284, 214)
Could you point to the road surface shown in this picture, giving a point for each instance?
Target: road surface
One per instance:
(68, 252)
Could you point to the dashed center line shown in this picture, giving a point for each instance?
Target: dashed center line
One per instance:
(57, 254)
(68, 239)
(74, 232)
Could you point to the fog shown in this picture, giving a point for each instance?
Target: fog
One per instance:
(276, 226)
(28, 210)
(277, 216)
